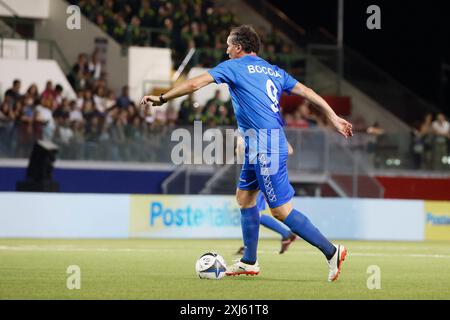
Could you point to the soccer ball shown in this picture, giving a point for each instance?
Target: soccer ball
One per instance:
(210, 266)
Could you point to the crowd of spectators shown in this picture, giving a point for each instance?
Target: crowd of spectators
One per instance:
(431, 142)
(99, 116)
(305, 116)
(96, 119)
(182, 25)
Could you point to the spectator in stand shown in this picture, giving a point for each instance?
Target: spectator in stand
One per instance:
(63, 136)
(422, 143)
(108, 14)
(13, 93)
(100, 21)
(88, 96)
(164, 39)
(171, 115)
(48, 93)
(207, 23)
(210, 117)
(80, 99)
(133, 129)
(441, 130)
(89, 112)
(58, 94)
(33, 93)
(147, 14)
(135, 35)
(124, 100)
(196, 115)
(307, 115)
(95, 66)
(186, 107)
(7, 119)
(110, 100)
(93, 129)
(25, 127)
(223, 119)
(100, 100)
(120, 29)
(216, 100)
(79, 75)
(75, 114)
(296, 120)
(44, 119)
(91, 137)
(62, 111)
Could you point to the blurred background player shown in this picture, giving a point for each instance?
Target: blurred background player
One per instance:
(287, 236)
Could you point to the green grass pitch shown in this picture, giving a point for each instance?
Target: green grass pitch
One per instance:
(164, 269)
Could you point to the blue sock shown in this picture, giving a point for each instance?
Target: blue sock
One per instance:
(301, 225)
(274, 225)
(250, 232)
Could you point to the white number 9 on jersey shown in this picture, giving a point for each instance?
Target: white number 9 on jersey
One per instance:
(272, 92)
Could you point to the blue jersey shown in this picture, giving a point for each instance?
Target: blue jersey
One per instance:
(255, 87)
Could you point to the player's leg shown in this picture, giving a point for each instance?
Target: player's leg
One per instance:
(250, 217)
(287, 236)
(275, 184)
(250, 220)
(302, 226)
(260, 204)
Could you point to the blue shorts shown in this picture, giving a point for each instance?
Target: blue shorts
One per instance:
(268, 174)
(261, 202)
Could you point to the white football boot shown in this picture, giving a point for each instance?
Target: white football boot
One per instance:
(335, 263)
(242, 268)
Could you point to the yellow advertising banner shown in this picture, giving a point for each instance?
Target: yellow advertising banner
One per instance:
(437, 220)
(180, 216)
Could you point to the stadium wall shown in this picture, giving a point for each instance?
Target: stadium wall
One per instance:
(428, 188)
(85, 177)
(36, 9)
(19, 49)
(25, 215)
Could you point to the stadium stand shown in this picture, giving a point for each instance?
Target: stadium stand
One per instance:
(104, 123)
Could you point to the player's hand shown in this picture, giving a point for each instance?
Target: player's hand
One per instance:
(152, 100)
(342, 126)
(149, 101)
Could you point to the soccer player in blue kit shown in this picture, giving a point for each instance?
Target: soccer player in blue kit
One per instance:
(255, 87)
(287, 236)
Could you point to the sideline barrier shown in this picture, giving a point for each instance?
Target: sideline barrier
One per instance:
(41, 215)
(437, 220)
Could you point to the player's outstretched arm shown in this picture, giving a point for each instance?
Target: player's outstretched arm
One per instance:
(184, 88)
(341, 125)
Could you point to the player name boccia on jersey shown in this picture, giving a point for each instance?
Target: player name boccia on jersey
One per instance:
(265, 70)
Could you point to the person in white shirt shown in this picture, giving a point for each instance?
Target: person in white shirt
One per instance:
(45, 117)
(441, 130)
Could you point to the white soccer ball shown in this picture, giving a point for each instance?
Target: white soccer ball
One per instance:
(210, 266)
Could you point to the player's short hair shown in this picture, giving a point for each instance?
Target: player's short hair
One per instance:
(247, 37)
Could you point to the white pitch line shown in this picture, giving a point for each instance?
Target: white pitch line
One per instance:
(297, 252)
